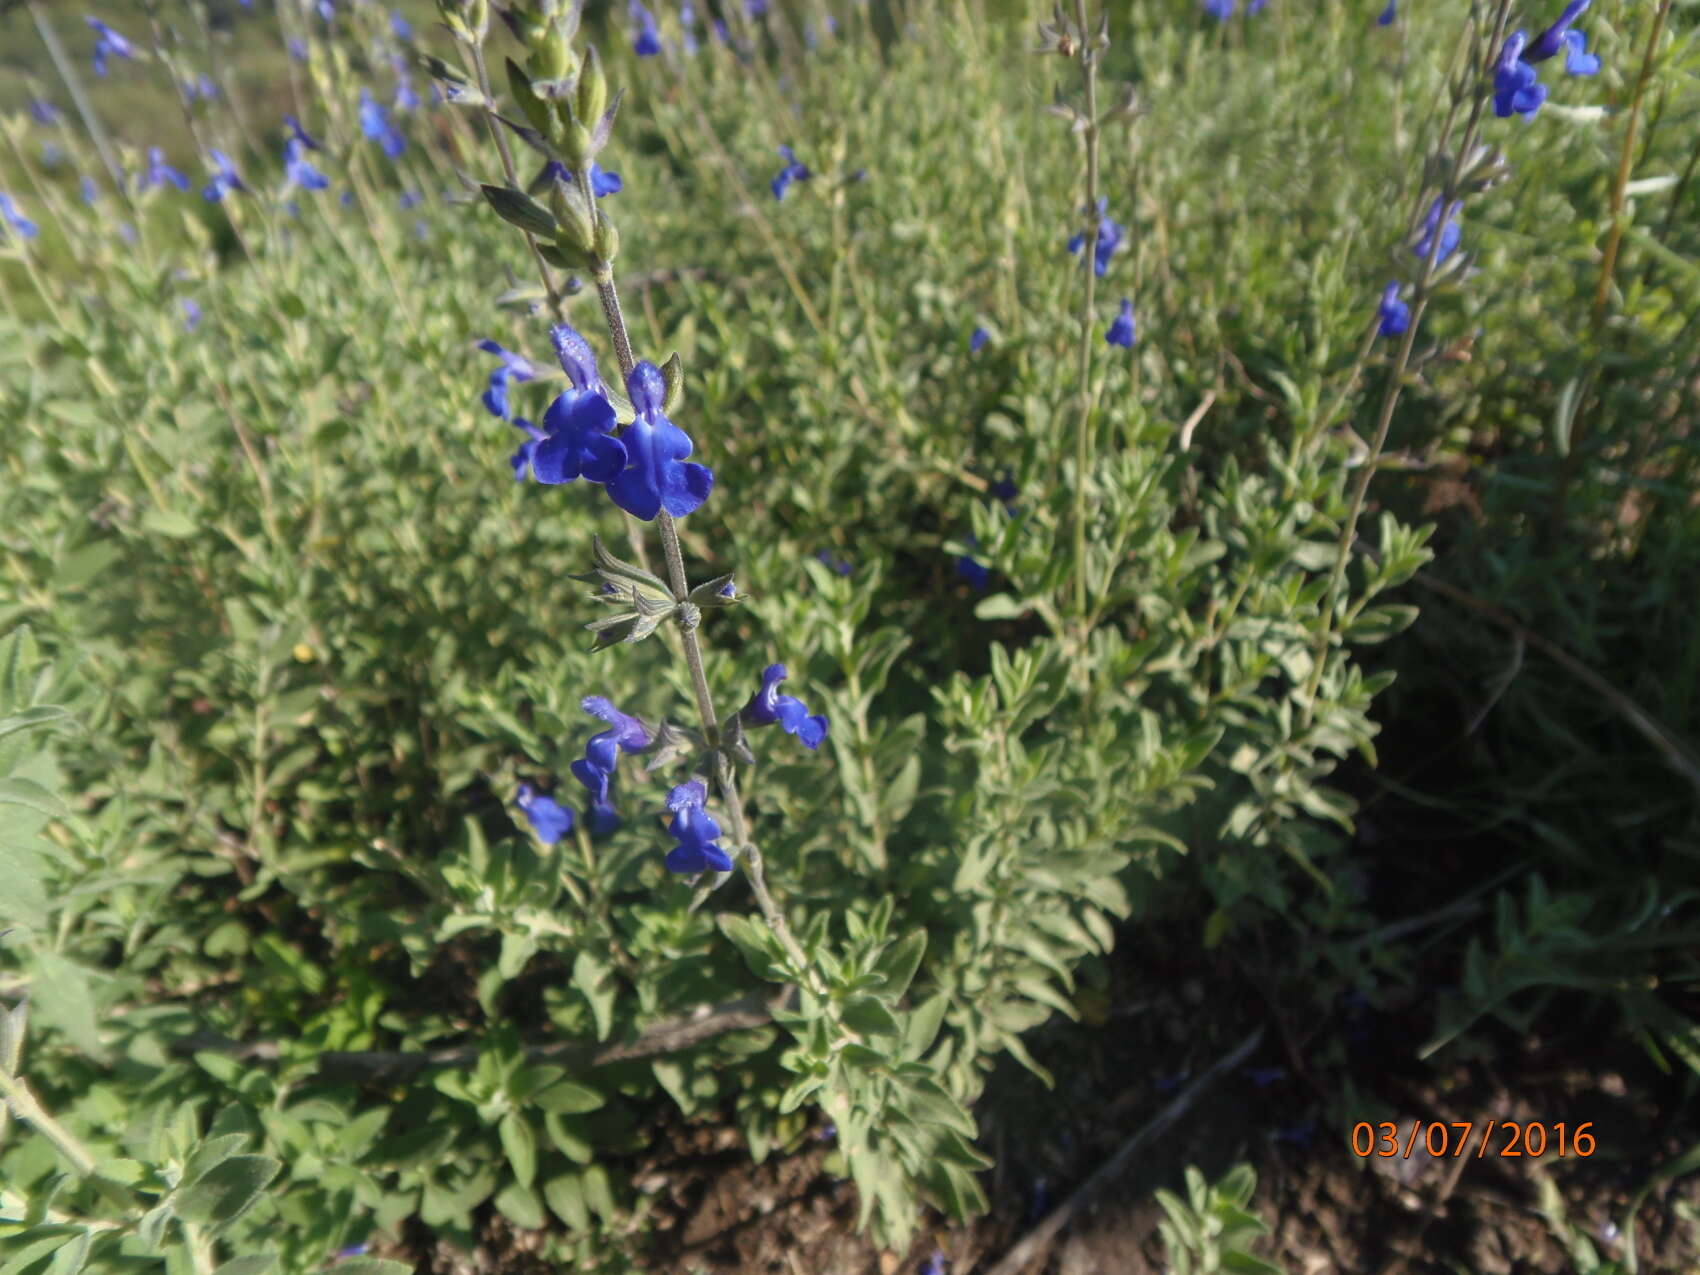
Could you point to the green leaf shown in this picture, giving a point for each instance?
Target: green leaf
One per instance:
(568, 1099)
(372, 1266)
(930, 1102)
(169, 523)
(593, 975)
(760, 948)
(521, 1206)
(227, 1190)
(565, 1195)
(518, 209)
(519, 1140)
(253, 1264)
(866, 1016)
(923, 1025)
(898, 963)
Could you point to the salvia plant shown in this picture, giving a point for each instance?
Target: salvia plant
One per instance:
(788, 733)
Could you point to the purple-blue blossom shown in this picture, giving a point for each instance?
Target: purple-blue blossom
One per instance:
(1109, 239)
(767, 706)
(602, 181)
(549, 818)
(977, 341)
(191, 315)
(1395, 314)
(1516, 88)
(159, 173)
(11, 216)
(624, 732)
(108, 43)
(515, 367)
(579, 425)
(298, 170)
(794, 171)
(1449, 234)
(1389, 14)
(696, 831)
(43, 112)
(1122, 329)
(647, 42)
(656, 475)
(376, 126)
(522, 458)
(224, 178)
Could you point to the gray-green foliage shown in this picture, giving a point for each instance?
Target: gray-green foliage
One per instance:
(324, 636)
(1210, 1229)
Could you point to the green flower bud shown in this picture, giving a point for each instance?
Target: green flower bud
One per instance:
(606, 245)
(673, 374)
(552, 53)
(592, 88)
(577, 233)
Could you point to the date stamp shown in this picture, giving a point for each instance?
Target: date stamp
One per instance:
(1440, 1139)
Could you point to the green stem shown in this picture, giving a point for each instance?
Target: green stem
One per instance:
(724, 776)
(1082, 430)
(1395, 382)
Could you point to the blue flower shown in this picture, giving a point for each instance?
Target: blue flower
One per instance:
(1122, 329)
(647, 42)
(977, 342)
(522, 458)
(1109, 239)
(578, 426)
(934, 1265)
(297, 48)
(300, 135)
(687, 24)
(973, 572)
(298, 170)
(108, 43)
(1389, 14)
(399, 25)
(550, 819)
(656, 475)
(191, 315)
(1577, 59)
(409, 199)
(1516, 88)
(695, 831)
(515, 367)
(158, 172)
(793, 171)
(578, 361)
(224, 178)
(1256, 7)
(10, 215)
(766, 706)
(1221, 10)
(376, 126)
(1548, 42)
(43, 111)
(1449, 234)
(406, 99)
(91, 190)
(1395, 314)
(200, 88)
(833, 563)
(602, 182)
(624, 731)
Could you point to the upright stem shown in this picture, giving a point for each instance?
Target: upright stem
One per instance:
(724, 776)
(74, 86)
(557, 305)
(1082, 430)
(1608, 257)
(1390, 396)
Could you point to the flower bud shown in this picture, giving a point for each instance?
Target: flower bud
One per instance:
(577, 228)
(577, 142)
(552, 53)
(673, 373)
(592, 88)
(606, 246)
